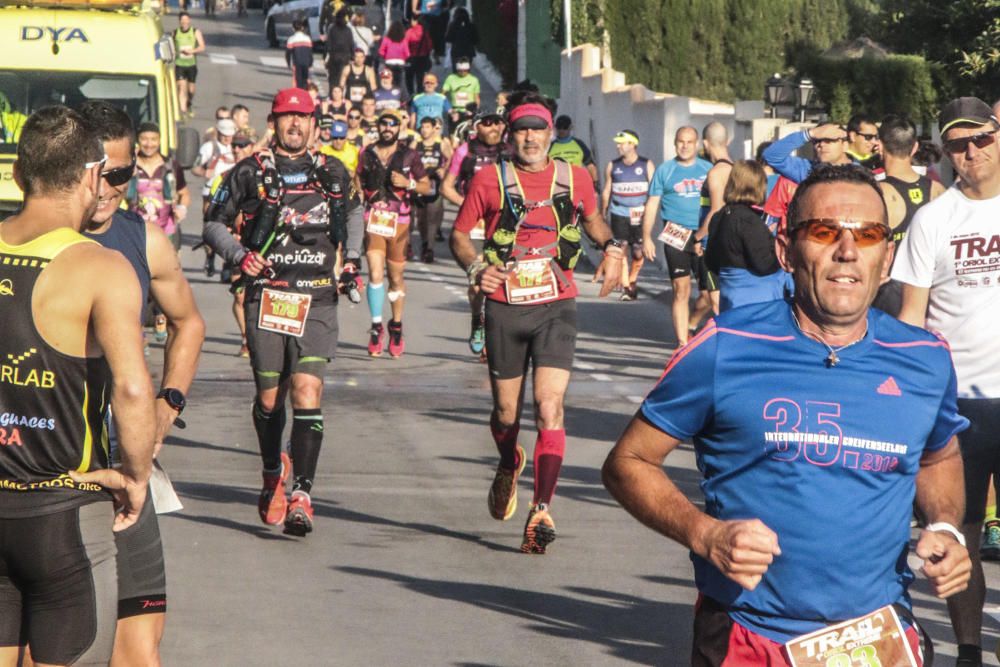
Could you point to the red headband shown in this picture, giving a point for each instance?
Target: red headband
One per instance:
(531, 110)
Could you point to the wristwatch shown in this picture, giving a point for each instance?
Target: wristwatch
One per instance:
(174, 398)
(613, 242)
(945, 527)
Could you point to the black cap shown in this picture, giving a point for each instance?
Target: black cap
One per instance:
(148, 127)
(325, 121)
(564, 122)
(967, 110)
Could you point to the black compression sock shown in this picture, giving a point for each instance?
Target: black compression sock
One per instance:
(269, 427)
(970, 654)
(307, 438)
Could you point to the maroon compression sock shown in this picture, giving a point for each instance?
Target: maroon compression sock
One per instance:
(549, 450)
(506, 439)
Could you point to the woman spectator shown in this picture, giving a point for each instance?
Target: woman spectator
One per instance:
(336, 104)
(462, 35)
(394, 51)
(339, 47)
(740, 247)
(419, 40)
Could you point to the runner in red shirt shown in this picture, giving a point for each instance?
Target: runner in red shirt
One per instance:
(534, 208)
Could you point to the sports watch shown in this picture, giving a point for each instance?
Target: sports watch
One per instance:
(174, 398)
(613, 243)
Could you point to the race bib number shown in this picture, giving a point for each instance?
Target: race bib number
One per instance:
(531, 281)
(875, 639)
(382, 223)
(283, 312)
(675, 236)
(462, 98)
(478, 233)
(357, 93)
(635, 215)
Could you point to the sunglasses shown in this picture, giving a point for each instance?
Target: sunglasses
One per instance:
(961, 145)
(820, 142)
(827, 231)
(388, 123)
(353, 116)
(120, 175)
(867, 137)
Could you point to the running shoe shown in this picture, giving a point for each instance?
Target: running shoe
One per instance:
(210, 266)
(299, 521)
(502, 498)
(427, 255)
(244, 351)
(990, 550)
(630, 293)
(477, 339)
(539, 531)
(377, 340)
(396, 344)
(226, 275)
(272, 503)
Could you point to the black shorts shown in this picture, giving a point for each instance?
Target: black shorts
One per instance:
(980, 445)
(275, 356)
(58, 590)
(623, 230)
(142, 580)
(189, 73)
(518, 335)
(682, 263)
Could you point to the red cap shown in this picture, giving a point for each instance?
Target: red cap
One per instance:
(292, 100)
(532, 115)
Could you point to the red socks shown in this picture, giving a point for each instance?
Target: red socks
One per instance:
(549, 450)
(506, 439)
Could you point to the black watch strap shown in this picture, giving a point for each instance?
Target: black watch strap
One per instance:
(174, 398)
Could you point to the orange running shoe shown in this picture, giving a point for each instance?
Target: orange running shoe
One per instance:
(299, 521)
(272, 503)
(539, 531)
(502, 498)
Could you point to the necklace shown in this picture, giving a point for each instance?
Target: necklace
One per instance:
(831, 359)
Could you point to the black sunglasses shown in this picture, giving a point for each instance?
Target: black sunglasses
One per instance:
(867, 137)
(353, 116)
(961, 145)
(389, 122)
(120, 175)
(820, 142)
(490, 122)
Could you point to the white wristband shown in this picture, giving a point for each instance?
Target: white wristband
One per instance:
(945, 527)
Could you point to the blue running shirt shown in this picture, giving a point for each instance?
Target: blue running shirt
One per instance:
(825, 457)
(679, 189)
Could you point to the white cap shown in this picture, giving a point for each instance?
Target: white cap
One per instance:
(226, 127)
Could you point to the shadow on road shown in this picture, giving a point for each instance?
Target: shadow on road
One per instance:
(630, 628)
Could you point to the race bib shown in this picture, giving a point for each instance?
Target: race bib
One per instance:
(357, 93)
(478, 233)
(462, 98)
(531, 281)
(635, 215)
(675, 236)
(382, 223)
(875, 639)
(283, 312)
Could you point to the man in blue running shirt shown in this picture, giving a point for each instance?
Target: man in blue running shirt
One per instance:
(811, 459)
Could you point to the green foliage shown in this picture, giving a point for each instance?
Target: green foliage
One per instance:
(897, 84)
(717, 49)
(495, 39)
(588, 21)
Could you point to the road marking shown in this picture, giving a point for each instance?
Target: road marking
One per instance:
(583, 366)
(222, 58)
(635, 399)
(602, 377)
(273, 61)
(436, 279)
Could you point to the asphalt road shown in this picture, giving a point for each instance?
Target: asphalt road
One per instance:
(405, 566)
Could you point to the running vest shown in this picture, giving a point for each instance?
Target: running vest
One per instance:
(152, 196)
(914, 196)
(479, 156)
(51, 404)
(629, 185)
(182, 39)
(706, 196)
(376, 180)
(433, 158)
(568, 151)
(127, 235)
(565, 251)
(357, 84)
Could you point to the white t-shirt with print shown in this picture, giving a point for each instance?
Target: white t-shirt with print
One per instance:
(953, 248)
(217, 157)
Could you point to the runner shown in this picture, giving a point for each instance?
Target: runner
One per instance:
(430, 103)
(390, 176)
(348, 154)
(905, 192)
(484, 150)
(354, 134)
(435, 152)
(623, 199)
(142, 595)
(299, 53)
(715, 141)
(215, 157)
(767, 571)
(158, 191)
(188, 43)
(674, 196)
(358, 79)
(462, 89)
(863, 144)
(388, 96)
(568, 148)
(57, 567)
(531, 304)
(297, 199)
(948, 264)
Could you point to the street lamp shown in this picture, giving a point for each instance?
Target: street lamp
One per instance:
(805, 91)
(772, 92)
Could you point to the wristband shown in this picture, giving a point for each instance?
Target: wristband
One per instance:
(412, 186)
(945, 527)
(473, 271)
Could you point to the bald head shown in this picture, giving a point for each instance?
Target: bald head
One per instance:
(715, 134)
(687, 132)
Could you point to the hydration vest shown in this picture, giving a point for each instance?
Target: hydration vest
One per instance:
(565, 251)
(479, 156)
(376, 180)
(152, 196)
(432, 157)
